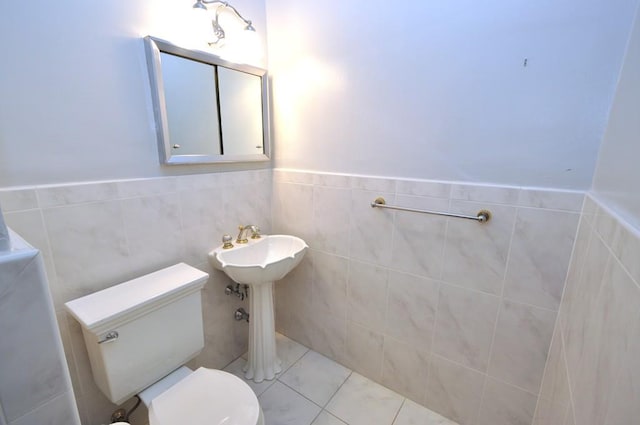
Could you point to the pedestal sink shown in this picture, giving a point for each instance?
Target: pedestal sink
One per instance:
(259, 263)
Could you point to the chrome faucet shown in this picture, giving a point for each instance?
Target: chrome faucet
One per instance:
(242, 234)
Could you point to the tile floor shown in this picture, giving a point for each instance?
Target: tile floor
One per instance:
(314, 390)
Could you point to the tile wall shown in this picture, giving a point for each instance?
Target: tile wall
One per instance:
(593, 373)
(35, 385)
(95, 235)
(453, 314)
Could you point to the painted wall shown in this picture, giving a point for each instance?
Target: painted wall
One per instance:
(439, 90)
(75, 103)
(617, 175)
(455, 315)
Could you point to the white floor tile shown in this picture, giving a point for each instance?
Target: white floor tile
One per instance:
(288, 351)
(361, 401)
(283, 406)
(413, 414)
(325, 418)
(316, 377)
(236, 369)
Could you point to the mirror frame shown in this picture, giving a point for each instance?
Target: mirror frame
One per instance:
(153, 47)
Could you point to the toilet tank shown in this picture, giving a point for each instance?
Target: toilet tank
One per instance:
(139, 331)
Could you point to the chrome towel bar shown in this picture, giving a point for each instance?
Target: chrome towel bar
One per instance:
(483, 215)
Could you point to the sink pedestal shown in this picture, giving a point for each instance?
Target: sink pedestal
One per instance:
(259, 263)
(263, 363)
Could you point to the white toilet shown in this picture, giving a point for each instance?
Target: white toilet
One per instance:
(139, 334)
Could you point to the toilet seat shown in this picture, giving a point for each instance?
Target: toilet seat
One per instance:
(206, 397)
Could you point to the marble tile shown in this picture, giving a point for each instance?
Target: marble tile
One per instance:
(573, 285)
(503, 404)
(431, 189)
(248, 204)
(154, 238)
(328, 334)
(624, 407)
(32, 367)
(484, 193)
(29, 225)
(583, 302)
(146, 187)
(540, 253)
(607, 336)
(405, 369)
(550, 413)
(521, 344)
(60, 410)
(331, 220)
(453, 390)
(332, 180)
(364, 351)
(571, 418)
(411, 309)
(53, 196)
(476, 254)
(18, 199)
(235, 368)
(330, 283)
(89, 247)
(555, 384)
(196, 208)
(367, 295)
(289, 351)
(300, 326)
(373, 184)
(296, 176)
(371, 229)
(316, 377)
(628, 251)
(418, 239)
(607, 225)
(413, 414)
(196, 182)
(325, 418)
(358, 391)
(292, 210)
(551, 199)
(283, 406)
(465, 325)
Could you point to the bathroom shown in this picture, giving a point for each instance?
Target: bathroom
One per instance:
(526, 109)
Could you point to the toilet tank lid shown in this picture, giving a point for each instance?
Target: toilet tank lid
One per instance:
(140, 294)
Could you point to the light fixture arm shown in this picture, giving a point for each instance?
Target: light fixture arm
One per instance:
(217, 28)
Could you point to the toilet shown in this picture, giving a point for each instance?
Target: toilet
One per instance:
(139, 335)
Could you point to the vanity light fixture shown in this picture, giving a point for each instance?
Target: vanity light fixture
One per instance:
(218, 31)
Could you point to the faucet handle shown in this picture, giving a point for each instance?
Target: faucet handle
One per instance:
(226, 241)
(255, 232)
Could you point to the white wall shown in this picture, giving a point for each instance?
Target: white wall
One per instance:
(438, 90)
(618, 175)
(74, 97)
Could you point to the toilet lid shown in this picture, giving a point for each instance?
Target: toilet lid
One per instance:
(206, 397)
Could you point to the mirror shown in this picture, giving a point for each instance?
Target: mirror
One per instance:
(206, 109)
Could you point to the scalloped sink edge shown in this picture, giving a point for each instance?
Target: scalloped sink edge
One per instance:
(274, 255)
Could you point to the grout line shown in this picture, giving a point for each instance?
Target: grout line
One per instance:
(404, 400)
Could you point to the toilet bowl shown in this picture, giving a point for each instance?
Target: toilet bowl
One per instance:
(140, 333)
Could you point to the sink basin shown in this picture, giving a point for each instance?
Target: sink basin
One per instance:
(259, 263)
(262, 260)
